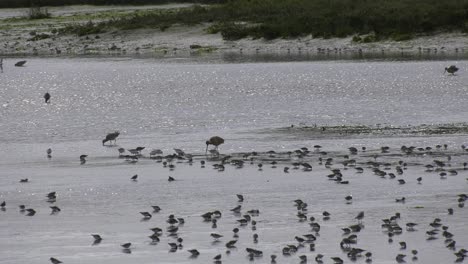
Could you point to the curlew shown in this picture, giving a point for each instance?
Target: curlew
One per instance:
(20, 63)
(452, 69)
(215, 141)
(111, 137)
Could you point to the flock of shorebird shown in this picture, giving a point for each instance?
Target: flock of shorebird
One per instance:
(392, 226)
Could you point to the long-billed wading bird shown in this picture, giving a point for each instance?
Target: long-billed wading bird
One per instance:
(111, 137)
(20, 63)
(452, 69)
(55, 261)
(215, 141)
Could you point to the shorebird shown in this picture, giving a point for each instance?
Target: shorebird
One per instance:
(3, 204)
(55, 261)
(97, 239)
(21, 64)
(452, 69)
(194, 253)
(47, 98)
(216, 141)
(146, 215)
(134, 177)
(360, 216)
(216, 236)
(155, 152)
(126, 245)
(111, 137)
(83, 159)
(55, 209)
(49, 153)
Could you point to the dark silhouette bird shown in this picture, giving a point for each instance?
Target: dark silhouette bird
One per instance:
(156, 208)
(216, 141)
(240, 197)
(55, 209)
(360, 216)
(47, 98)
(452, 69)
(111, 137)
(3, 204)
(146, 215)
(97, 239)
(83, 159)
(55, 261)
(49, 153)
(134, 177)
(24, 180)
(216, 236)
(126, 245)
(171, 179)
(20, 63)
(194, 252)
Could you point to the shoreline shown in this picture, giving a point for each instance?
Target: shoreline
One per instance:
(22, 37)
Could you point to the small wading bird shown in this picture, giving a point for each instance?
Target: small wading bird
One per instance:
(216, 141)
(452, 69)
(47, 98)
(20, 63)
(111, 137)
(55, 261)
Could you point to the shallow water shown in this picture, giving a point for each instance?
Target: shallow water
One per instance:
(169, 104)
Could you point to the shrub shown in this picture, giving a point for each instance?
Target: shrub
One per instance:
(37, 12)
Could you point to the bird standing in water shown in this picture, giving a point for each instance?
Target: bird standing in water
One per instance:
(216, 141)
(47, 98)
(452, 69)
(111, 137)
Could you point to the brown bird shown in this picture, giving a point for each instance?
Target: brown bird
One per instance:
(216, 141)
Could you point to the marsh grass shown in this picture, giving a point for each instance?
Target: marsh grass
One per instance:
(270, 19)
(37, 12)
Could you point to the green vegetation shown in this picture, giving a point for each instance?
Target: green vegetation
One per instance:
(368, 20)
(37, 12)
(28, 3)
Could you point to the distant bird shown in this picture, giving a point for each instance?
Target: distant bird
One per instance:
(171, 179)
(126, 245)
(111, 137)
(216, 236)
(55, 209)
(216, 141)
(134, 177)
(21, 64)
(49, 153)
(83, 159)
(47, 98)
(194, 252)
(360, 216)
(146, 215)
(3, 204)
(97, 239)
(24, 180)
(419, 179)
(240, 197)
(155, 152)
(349, 199)
(55, 261)
(156, 208)
(452, 69)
